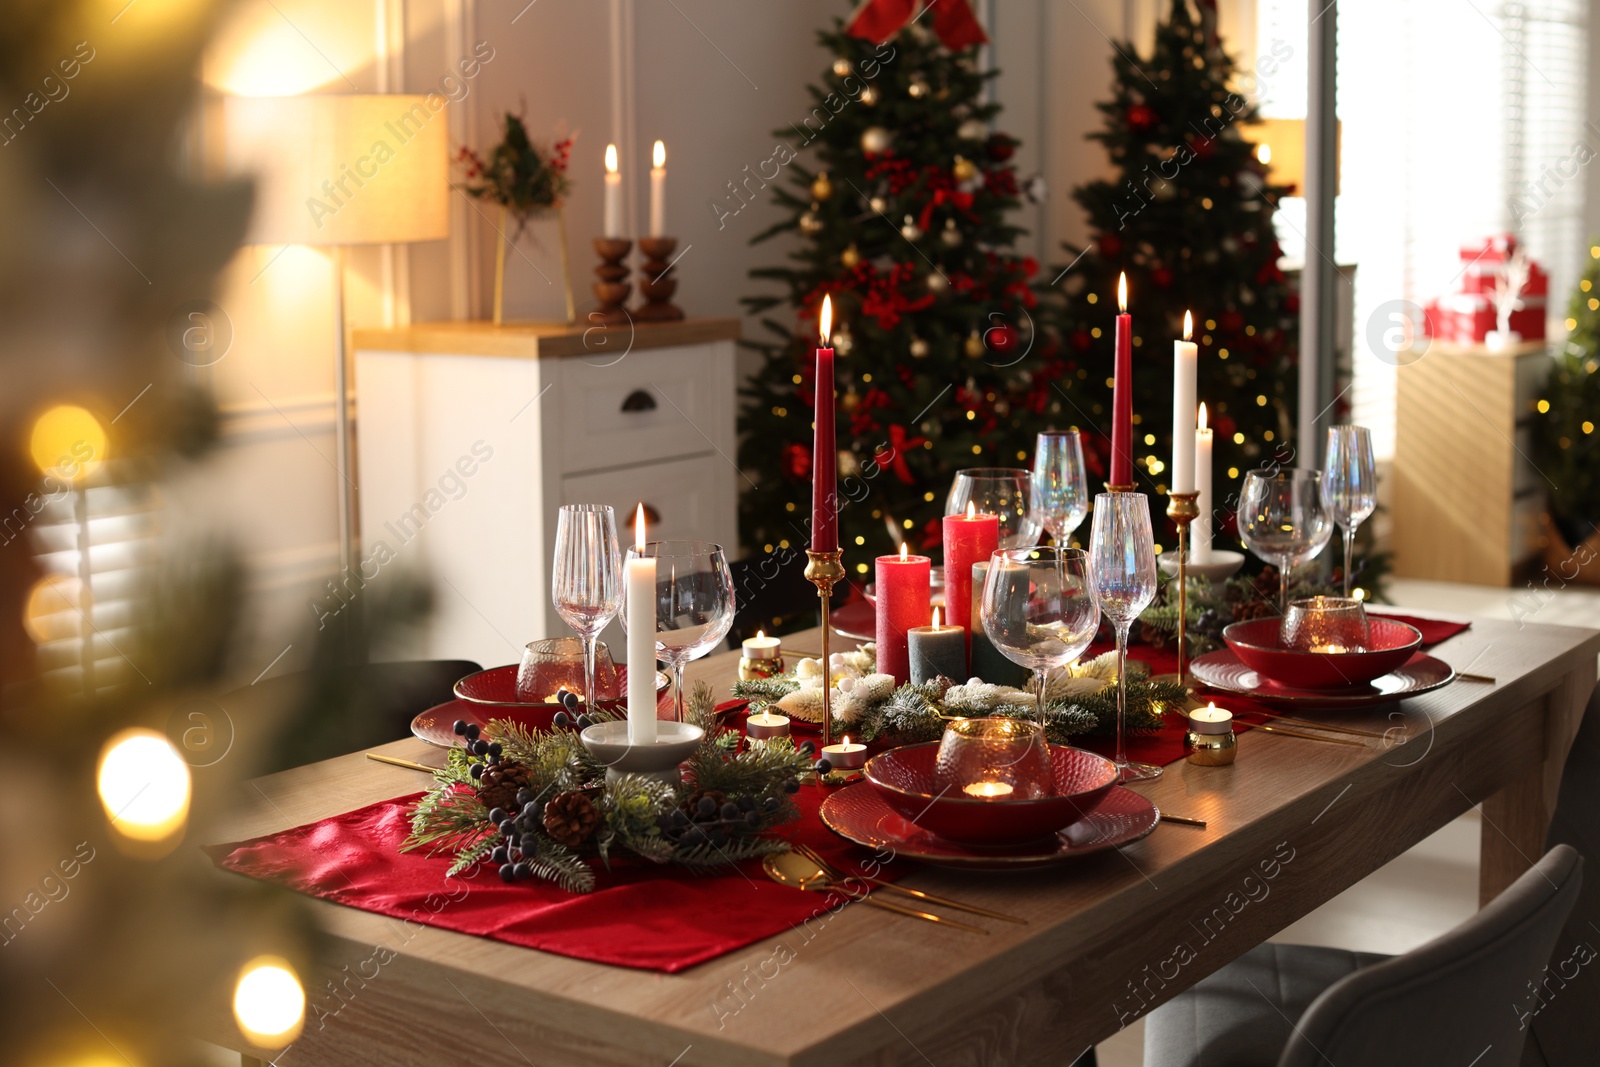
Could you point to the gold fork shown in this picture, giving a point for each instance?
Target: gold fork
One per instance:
(835, 875)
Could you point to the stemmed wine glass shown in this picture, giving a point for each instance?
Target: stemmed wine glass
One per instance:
(1060, 487)
(1002, 491)
(694, 604)
(1349, 484)
(1123, 561)
(586, 581)
(1039, 609)
(1283, 520)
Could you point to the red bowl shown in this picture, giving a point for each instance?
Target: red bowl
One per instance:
(1259, 647)
(904, 777)
(496, 689)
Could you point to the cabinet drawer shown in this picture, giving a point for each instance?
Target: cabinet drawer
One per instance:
(646, 406)
(680, 497)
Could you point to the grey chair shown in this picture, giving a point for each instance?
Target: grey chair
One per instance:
(1453, 1000)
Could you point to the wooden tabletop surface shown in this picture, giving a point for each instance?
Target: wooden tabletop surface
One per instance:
(1290, 825)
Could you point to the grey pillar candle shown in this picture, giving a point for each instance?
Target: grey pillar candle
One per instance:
(988, 662)
(937, 650)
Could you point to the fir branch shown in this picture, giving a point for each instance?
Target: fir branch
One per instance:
(473, 854)
(758, 771)
(763, 691)
(556, 863)
(447, 818)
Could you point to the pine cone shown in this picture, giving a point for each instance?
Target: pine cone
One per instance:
(1252, 609)
(499, 784)
(570, 818)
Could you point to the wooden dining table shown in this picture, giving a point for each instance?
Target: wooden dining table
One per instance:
(1291, 824)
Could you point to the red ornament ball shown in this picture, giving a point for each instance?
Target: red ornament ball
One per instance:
(1203, 148)
(1231, 321)
(1142, 117)
(797, 461)
(1226, 427)
(1001, 339)
(1110, 245)
(1162, 276)
(1081, 341)
(1000, 147)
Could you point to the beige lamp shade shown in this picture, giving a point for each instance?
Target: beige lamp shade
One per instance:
(342, 169)
(1284, 142)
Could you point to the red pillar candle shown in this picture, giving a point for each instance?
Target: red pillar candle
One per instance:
(1122, 393)
(968, 539)
(825, 446)
(905, 599)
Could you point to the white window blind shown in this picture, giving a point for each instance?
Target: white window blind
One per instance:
(1460, 119)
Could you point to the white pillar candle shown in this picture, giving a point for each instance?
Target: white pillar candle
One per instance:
(641, 580)
(613, 199)
(658, 191)
(1200, 529)
(1184, 369)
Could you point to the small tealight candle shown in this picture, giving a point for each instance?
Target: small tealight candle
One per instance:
(988, 790)
(1210, 737)
(762, 657)
(845, 756)
(766, 724)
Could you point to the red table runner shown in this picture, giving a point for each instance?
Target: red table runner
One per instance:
(640, 915)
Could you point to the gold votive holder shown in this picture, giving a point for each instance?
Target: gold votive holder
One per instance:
(753, 670)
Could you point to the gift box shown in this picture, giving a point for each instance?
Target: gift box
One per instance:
(1467, 315)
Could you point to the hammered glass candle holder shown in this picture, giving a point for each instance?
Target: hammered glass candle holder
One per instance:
(994, 759)
(1326, 624)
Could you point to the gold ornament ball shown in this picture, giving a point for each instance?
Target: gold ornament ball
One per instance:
(841, 67)
(869, 96)
(876, 139)
(919, 348)
(850, 257)
(918, 88)
(810, 225)
(973, 345)
(849, 463)
(911, 231)
(951, 236)
(878, 204)
(851, 399)
(822, 188)
(843, 343)
(964, 169)
(937, 283)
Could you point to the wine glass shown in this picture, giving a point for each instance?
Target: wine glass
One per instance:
(586, 580)
(1123, 562)
(1283, 520)
(1060, 487)
(694, 604)
(1002, 491)
(1039, 609)
(1349, 484)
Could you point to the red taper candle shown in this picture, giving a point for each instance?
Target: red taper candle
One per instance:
(1122, 394)
(824, 447)
(905, 600)
(968, 539)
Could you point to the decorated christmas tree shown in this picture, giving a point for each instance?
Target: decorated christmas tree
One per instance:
(1188, 216)
(898, 189)
(1567, 447)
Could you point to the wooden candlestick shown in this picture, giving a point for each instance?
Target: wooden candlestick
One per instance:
(612, 289)
(656, 281)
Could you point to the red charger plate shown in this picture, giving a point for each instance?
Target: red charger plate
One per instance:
(1259, 647)
(1223, 671)
(858, 813)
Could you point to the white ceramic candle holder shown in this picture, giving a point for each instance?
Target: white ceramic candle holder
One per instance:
(675, 742)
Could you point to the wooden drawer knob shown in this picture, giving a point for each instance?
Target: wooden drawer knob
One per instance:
(639, 400)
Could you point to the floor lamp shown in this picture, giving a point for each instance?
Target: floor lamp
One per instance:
(340, 170)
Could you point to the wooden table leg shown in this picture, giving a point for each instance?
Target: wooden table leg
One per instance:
(1516, 818)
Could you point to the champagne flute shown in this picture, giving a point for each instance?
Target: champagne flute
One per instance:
(1349, 484)
(1060, 487)
(1283, 520)
(1039, 609)
(694, 604)
(586, 580)
(1123, 561)
(1002, 491)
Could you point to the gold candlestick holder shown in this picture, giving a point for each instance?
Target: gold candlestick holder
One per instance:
(1183, 508)
(823, 569)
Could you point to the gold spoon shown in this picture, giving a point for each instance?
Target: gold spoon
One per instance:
(792, 869)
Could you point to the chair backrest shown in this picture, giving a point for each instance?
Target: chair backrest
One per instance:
(1565, 1014)
(1456, 999)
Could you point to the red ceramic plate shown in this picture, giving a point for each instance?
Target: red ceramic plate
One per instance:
(1257, 644)
(905, 778)
(858, 813)
(857, 620)
(1222, 670)
(437, 725)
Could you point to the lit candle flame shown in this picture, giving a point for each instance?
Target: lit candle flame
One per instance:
(761, 635)
(1203, 424)
(825, 320)
(638, 528)
(903, 553)
(847, 740)
(611, 159)
(936, 618)
(1264, 153)
(658, 156)
(1188, 326)
(1122, 292)
(972, 510)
